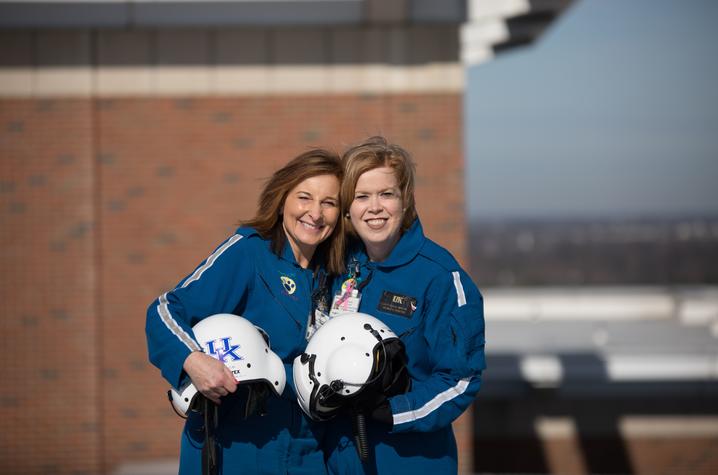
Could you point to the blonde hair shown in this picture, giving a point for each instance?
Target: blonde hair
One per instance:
(377, 152)
(267, 220)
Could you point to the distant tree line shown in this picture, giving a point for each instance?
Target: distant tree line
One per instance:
(646, 251)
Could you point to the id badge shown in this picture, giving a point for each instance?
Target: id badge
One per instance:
(344, 303)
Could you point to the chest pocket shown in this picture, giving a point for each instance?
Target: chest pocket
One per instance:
(280, 313)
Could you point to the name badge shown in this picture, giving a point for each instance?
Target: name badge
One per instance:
(402, 305)
(345, 303)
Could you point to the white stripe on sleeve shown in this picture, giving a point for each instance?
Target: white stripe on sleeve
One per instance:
(166, 317)
(211, 260)
(460, 296)
(163, 307)
(433, 404)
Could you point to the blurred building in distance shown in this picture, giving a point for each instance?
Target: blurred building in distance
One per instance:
(603, 347)
(608, 251)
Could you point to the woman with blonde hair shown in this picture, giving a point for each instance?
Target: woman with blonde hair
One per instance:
(418, 290)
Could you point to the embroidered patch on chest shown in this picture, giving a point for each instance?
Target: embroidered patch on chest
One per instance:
(402, 305)
(289, 285)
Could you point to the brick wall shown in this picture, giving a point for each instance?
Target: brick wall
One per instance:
(108, 202)
(50, 397)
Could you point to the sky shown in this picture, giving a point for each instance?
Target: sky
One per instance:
(612, 112)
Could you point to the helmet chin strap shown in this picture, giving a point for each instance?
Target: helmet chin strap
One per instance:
(210, 461)
(374, 333)
(257, 395)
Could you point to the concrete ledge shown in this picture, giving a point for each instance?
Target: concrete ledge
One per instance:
(230, 80)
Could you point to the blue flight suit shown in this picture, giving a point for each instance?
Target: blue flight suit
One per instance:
(243, 277)
(424, 296)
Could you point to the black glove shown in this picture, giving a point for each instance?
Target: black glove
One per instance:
(382, 413)
(370, 398)
(374, 404)
(395, 378)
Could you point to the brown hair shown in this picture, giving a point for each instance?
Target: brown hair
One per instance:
(376, 152)
(267, 220)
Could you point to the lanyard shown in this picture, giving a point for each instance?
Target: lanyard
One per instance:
(319, 297)
(354, 283)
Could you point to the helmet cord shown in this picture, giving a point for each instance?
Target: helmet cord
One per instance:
(210, 463)
(361, 441)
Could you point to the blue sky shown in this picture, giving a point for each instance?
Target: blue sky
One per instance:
(613, 112)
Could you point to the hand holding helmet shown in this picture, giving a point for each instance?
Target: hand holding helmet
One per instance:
(210, 377)
(236, 353)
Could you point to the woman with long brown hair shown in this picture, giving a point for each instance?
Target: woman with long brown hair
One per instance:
(269, 272)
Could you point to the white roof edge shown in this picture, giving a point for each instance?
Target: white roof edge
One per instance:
(690, 305)
(551, 371)
(487, 25)
(490, 9)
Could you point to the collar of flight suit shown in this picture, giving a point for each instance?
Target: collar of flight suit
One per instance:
(406, 249)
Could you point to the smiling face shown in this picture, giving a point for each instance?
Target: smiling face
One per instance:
(377, 211)
(309, 215)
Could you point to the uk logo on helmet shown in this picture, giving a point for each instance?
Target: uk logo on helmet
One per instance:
(225, 351)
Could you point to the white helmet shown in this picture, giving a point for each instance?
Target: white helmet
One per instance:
(243, 348)
(345, 355)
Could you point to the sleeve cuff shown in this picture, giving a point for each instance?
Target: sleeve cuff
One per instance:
(382, 413)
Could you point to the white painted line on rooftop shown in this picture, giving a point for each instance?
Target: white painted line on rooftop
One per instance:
(694, 306)
(577, 307)
(698, 311)
(548, 370)
(662, 368)
(545, 371)
(564, 427)
(555, 427)
(669, 427)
